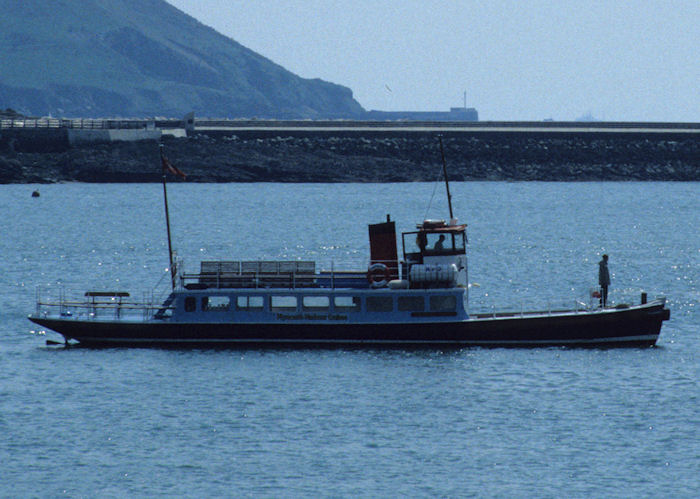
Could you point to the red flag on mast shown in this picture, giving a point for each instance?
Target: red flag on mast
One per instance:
(168, 166)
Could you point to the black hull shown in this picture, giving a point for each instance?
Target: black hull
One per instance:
(635, 326)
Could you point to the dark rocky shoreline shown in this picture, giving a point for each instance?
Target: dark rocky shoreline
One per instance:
(358, 158)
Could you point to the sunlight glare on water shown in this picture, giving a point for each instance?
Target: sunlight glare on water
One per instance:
(487, 422)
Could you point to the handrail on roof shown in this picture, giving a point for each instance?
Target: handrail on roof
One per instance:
(108, 294)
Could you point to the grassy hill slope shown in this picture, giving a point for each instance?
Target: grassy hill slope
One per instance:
(97, 58)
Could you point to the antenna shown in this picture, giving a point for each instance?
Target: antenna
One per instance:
(447, 181)
(167, 218)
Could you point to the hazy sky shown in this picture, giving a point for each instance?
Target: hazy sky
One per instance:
(517, 60)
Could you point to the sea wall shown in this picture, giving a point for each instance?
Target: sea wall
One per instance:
(82, 137)
(359, 157)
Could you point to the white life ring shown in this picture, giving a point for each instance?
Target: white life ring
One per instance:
(378, 275)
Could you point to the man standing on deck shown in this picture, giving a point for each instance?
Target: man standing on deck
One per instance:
(603, 280)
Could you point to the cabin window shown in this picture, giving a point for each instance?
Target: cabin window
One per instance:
(380, 304)
(346, 303)
(249, 302)
(315, 302)
(415, 244)
(460, 241)
(190, 304)
(429, 243)
(411, 303)
(439, 243)
(283, 303)
(443, 303)
(215, 303)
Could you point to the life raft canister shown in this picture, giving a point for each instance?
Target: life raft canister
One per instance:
(378, 275)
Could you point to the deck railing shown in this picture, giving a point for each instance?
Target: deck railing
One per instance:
(244, 123)
(119, 305)
(574, 306)
(577, 302)
(82, 123)
(282, 274)
(87, 123)
(99, 305)
(116, 305)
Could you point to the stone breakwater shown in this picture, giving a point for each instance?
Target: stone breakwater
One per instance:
(360, 158)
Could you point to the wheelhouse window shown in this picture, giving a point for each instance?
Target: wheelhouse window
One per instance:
(216, 303)
(411, 304)
(315, 303)
(249, 302)
(439, 243)
(283, 303)
(460, 240)
(432, 243)
(346, 303)
(380, 304)
(414, 242)
(443, 303)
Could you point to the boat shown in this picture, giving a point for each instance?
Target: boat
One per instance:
(415, 297)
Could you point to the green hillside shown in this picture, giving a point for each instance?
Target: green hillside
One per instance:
(134, 58)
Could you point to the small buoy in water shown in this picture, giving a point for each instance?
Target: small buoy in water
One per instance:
(35, 194)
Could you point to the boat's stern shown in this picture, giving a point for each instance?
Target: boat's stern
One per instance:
(72, 314)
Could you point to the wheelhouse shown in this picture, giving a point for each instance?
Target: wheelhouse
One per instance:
(436, 248)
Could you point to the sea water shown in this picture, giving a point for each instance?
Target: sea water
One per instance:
(545, 422)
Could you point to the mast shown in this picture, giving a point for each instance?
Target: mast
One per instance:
(167, 218)
(447, 181)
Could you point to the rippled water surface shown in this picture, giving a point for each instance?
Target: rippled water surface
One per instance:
(485, 422)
